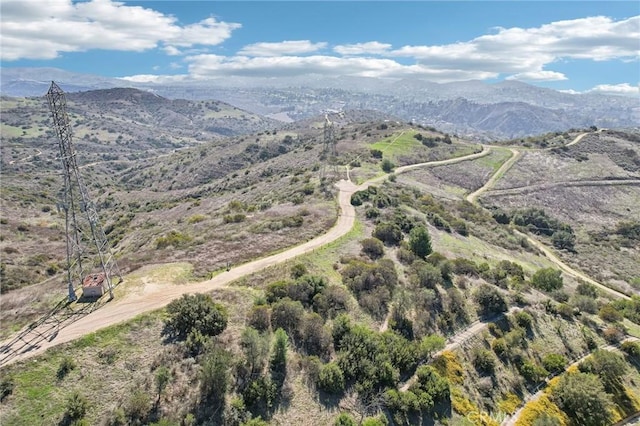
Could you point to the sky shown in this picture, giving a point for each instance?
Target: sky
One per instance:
(574, 46)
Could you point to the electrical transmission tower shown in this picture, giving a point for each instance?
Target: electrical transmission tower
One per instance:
(89, 257)
(329, 153)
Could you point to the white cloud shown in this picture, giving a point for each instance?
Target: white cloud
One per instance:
(45, 28)
(372, 48)
(524, 52)
(172, 50)
(213, 66)
(616, 89)
(153, 78)
(292, 47)
(538, 76)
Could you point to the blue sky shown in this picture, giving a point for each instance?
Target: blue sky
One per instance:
(575, 46)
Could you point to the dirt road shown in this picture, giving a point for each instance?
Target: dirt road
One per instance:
(515, 156)
(473, 198)
(158, 296)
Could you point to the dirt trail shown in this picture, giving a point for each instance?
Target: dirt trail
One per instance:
(578, 183)
(473, 198)
(460, 337)
(515, 156)
(512, 420)
(126, 308)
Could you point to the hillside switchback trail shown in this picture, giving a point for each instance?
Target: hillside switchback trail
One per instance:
(156, 297)
(473, 198)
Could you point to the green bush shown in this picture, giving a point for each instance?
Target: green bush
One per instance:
(345, 419)
(490, 300)
(372, 247)
(388, 233)
(331, 379)
(547, 279)
(484, 362)
(7, 384)
(197, 311)
(554, 363)
(77, 406)
(173, 239)
(420, 242)
(387, 165)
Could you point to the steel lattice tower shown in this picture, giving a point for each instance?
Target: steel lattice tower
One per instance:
(329, 152)
(88, 250)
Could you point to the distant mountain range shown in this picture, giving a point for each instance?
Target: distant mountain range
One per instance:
(507, 109)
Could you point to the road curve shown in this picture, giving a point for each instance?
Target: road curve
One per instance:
(515, 156)
(120, 310)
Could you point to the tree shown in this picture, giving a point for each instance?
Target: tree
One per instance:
(547, 279)
(279, 357)
(255, 347)
(607, 365)
(583, 398)
(163, 377)
(214, 376)
(197, 311)
(420, 242)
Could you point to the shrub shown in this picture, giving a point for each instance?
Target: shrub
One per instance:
(197, 311)
(612, 335)
(583, 398)
(523, 319)
(234, 218)
(484, 362)
(137, 406)
(7, 384)
(554, 363)
(610, 314)
(547, 279)
(490, 300)
(66, 365)
(376, 153)
(420, 242)
(331, 379)
(532, 372)
(388, 233)
(586, 289)
(345, 419)
(387, 165)
(77, 406)
(260, 317)
(630, 348)
(372, 247)
(298, 270)
(173, 239)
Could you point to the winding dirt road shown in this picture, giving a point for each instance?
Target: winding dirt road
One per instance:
(158, 296)
(473, 198)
